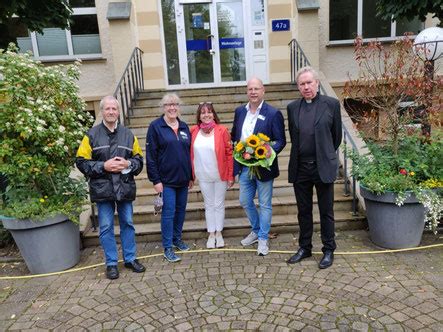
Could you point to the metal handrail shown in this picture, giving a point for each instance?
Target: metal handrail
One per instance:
(130, 84)
(298, 60)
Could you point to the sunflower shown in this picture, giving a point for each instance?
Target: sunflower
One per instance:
(239, 147)
(253, 141)
(260, 152)
(263, 137)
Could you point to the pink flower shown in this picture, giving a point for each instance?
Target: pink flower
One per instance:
(246, 156)
(403, 171)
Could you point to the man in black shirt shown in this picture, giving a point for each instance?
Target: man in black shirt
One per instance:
(315, 129)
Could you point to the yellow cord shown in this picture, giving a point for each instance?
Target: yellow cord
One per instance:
(225, 250)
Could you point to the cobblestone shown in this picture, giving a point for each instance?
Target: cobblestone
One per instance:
(224, 290)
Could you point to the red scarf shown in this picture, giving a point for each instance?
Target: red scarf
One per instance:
(207, 127)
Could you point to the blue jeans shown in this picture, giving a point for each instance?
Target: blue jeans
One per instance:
(173, 214)
(260, 220)
(127, 231)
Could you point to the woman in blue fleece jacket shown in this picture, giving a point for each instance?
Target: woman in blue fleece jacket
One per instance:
(168, 163)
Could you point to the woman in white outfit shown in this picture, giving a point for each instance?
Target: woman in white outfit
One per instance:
(211, 154)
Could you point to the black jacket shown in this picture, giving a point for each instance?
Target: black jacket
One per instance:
(100, 145)
(328, 135)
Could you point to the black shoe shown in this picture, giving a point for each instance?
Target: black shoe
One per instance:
(135, 266)
(112, 272)
(327, 259)
(299, 255)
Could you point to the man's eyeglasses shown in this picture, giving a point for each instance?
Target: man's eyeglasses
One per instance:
(205, 102)
(171, 105)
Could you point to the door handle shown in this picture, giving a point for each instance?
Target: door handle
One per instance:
(209, 39)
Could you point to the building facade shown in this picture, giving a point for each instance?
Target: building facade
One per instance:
(210, 43)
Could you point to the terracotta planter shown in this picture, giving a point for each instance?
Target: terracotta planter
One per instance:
(392, 226)
(46, 246)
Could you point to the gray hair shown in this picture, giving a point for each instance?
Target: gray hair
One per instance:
(170, 98)
(307, 69)
(108, 98)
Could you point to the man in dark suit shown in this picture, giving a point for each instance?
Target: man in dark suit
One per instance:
(315, 128)
(258, 117)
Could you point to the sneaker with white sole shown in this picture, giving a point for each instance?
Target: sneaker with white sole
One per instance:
(180, 245)
(219, 242)
(250, 239)
(262, 249)
(170, 256)
(211, 242)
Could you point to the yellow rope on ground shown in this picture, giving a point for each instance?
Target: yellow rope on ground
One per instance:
(224, 250)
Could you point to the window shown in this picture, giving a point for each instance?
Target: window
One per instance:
(348, 18)
(81, 41)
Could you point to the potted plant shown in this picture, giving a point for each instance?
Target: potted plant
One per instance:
(401, 176)
(41, 125)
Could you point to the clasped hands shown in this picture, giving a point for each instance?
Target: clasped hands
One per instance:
(116, 165)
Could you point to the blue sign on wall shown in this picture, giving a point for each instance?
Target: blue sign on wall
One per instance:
(231, 43)
(280, 25)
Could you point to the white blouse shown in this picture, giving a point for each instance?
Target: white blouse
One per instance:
(205, 160)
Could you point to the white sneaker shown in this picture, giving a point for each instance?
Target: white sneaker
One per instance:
(250, 239)
(220, 243)
(262, 249)
(211, 242)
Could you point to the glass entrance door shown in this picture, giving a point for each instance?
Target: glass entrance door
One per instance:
(210, 43)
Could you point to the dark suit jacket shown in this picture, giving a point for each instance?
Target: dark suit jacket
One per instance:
(270, 123)
(328, 135)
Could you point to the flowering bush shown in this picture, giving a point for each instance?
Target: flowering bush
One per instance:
(41, 124)
(256, 151)
(400, 160)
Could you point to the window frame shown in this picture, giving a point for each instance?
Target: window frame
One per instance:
(70, 56)
(391, 38)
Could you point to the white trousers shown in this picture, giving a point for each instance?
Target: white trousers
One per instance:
(214, 197)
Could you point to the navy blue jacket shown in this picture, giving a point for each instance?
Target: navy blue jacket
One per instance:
(270, 123)
(168, 158)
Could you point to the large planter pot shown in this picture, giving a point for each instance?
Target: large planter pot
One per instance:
(392, 226)
(46, 246)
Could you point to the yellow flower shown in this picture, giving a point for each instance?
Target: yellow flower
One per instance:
(260, 152)
(411, 173)
(42, 200)
(239, 147)
(263, 137)
(253, 141)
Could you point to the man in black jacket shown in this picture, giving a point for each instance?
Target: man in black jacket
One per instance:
(110, 156)
(316, 132)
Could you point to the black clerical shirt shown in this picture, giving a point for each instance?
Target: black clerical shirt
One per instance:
(306, 133)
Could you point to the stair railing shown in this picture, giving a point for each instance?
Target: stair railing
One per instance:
(130, 85)
(298, 60)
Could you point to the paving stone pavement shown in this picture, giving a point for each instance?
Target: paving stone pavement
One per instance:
(239, 291)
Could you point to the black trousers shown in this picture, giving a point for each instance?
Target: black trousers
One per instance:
(307, 178)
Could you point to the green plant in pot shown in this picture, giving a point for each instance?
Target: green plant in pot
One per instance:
(401, 177)
(42, 121)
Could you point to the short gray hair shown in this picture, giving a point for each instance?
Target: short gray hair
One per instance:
(307, 69)
(108, 98)
(170, 97)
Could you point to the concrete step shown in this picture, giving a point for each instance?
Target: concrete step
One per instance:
(283, 162)
(196, 229)
(188, 117)
(281, 205)
(219, 91)
(140, 130)
(145, 196)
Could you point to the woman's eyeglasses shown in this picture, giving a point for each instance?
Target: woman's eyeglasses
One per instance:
(171, 105)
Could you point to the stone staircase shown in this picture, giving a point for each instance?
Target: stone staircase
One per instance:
(225, 100)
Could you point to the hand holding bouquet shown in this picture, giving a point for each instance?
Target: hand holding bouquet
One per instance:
(256, 151)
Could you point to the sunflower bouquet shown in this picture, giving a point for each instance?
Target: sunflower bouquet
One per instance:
(256, 151)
